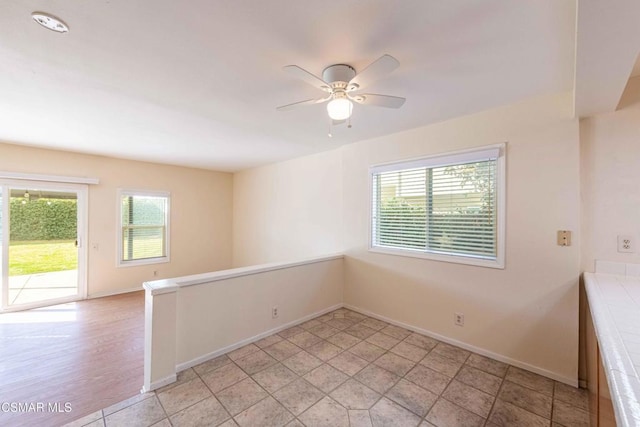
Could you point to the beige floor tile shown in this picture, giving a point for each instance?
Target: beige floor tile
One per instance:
(360, 331)
(526, 398)
(212, 364)
(183, 396)
(324, 318)
(138, 398)
(229, 423)
(387, 413)
(268, 341)
(324, 350)
(295, 423)
(428, 379)
(302, 362)
(354, 395)
(382, 340)
(455, 353)
(530, 380)
(298, 396)
(256, 362)
(326, 378)
(359, 418)
(340, 324)
(305, 339)
(241, 396)
(444, 365)
(323, 330)
(223, 377)
(348, 363)
(424, 342)
(445, 413)
(182, 377)
(409, 351)
(204, 413)
(394, 363)
(141, 414)
(486, 364)
(310, 324)
(479, 379)
(288, 333)
(275, 377)
(86, 420)
(414, 398)
(350, 314)
(343, 340)
(243, 351)
(161, 423)
(506, 414)
(266, 413)
(367, 351)
(327, 412)
(470, 398)
(570, 416)
(282, 350)
(372, 323)
(577, 397)
(396, 332)
(377, 379)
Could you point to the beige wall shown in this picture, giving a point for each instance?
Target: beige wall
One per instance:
(610, 151)
(288, 210)
(526, 313)
(201, 214)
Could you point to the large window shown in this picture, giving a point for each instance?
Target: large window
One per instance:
(448, 207)
(144, 227)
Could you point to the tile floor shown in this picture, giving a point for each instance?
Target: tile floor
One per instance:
(346, 369)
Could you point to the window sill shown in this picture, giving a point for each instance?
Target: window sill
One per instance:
(478, 262)
(140, 262)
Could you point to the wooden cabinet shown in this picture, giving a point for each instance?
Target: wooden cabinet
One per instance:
(600, 405)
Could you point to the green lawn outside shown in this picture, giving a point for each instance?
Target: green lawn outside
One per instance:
(42, 256)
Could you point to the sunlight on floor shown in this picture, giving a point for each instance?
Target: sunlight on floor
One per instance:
(53, 314)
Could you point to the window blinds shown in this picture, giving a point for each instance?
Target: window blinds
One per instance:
(143, 227)
(444, 205)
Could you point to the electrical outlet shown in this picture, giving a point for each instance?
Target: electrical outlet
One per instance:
(626, 244)
(274, 312)
(458, 319)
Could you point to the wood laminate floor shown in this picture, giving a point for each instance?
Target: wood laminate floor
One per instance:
(62, 362)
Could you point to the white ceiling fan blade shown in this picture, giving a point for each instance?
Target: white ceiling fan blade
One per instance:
(302, 103)
(307, 77)
(374, 71)
(378, 100)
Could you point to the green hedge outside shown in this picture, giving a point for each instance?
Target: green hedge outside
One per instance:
(43, 219)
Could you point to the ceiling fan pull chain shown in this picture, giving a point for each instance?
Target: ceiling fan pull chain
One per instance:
(330, 135)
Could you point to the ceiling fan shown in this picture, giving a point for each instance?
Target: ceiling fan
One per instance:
(340, 82)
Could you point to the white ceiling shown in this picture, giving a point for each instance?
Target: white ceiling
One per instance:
(196, 83)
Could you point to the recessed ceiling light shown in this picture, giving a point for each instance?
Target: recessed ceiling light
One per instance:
(50, 22)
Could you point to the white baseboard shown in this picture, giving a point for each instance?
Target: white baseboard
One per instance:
(517, 363)
(198, 360)
(112, 293)
(160, 383)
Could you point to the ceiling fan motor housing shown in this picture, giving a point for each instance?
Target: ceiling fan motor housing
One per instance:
(338, 75)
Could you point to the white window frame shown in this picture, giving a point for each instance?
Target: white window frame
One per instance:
(120, 262)
(445, 159)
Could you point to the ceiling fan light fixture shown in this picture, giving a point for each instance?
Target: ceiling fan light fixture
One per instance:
(340, 108)
(50, 22)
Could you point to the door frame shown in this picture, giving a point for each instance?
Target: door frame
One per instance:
(82, 192)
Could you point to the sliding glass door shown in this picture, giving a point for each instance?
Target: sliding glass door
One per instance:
(42, 228)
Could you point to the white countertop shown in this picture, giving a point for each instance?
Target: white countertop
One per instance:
(614, 301)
